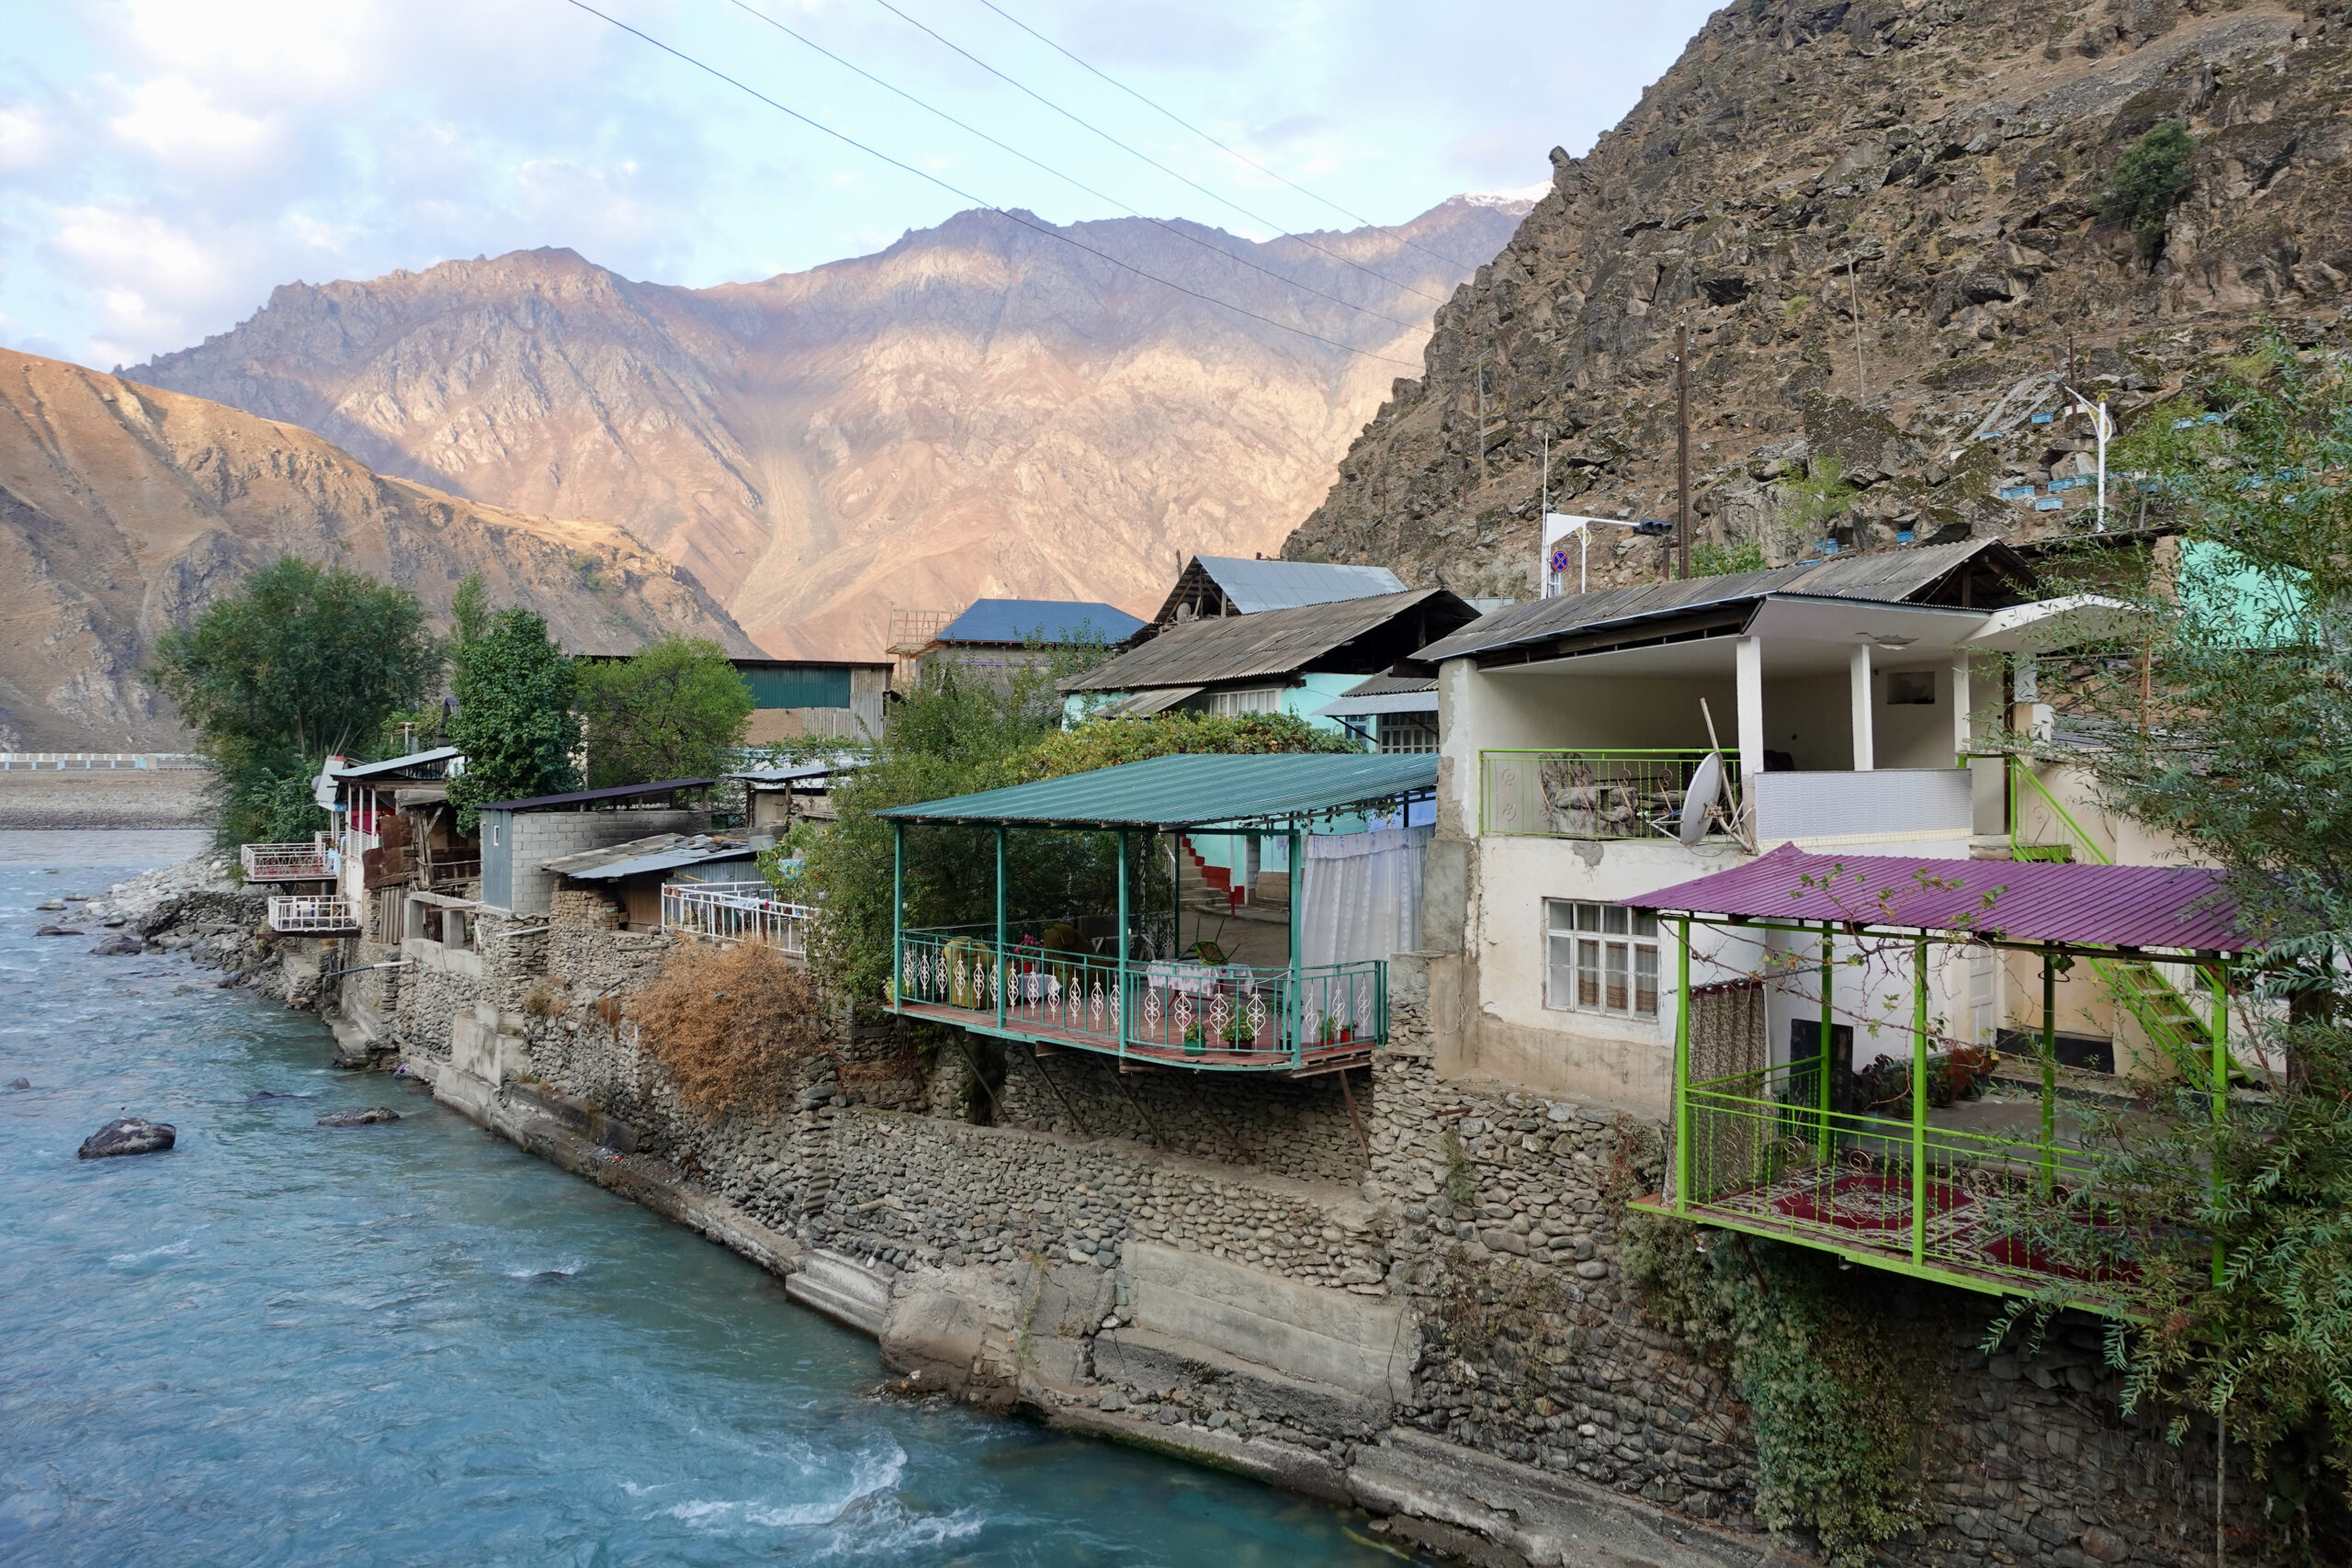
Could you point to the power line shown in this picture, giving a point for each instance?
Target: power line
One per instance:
(1287, 281)
(1213, 196)
(963, 195)
(1228, 152)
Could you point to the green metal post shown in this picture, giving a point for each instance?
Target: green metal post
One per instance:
(1682, 1066)
(1829, 996)
(1003, 977)
(1119, 996)
(898, 913)
(2220, 981)
(1919, 1100)
(2049, 1071)
(1297, 843)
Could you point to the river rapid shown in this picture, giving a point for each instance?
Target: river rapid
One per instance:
(413, 1343)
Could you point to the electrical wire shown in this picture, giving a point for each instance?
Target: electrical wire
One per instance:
(1228, 152)
(962, 194)
(1213, 196)
(1288, 282)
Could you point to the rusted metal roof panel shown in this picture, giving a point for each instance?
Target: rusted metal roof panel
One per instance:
(1269, 644)
(1884, 576)
(2081, 906)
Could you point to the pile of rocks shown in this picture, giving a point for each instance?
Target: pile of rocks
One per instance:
(196, 908)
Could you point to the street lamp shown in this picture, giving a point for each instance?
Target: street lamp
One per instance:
(1558, 526)
(2103, 424)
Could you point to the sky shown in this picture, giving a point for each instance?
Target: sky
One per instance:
(165, 164)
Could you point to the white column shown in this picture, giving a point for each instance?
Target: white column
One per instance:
(1748, 690)
(1858, 668)
(1960, 728)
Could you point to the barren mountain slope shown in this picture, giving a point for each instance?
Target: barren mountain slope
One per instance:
(125, 510)
(978, 410)
(1957, 153)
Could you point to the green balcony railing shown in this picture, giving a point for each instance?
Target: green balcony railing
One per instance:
(1589, 795)
(1226, 1017)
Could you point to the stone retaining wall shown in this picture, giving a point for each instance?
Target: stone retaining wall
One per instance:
(1485, 1225)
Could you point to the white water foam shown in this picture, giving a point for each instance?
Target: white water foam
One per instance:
(871, 1473)
(170, 1249)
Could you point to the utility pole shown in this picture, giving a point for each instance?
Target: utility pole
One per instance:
(1482, 422)
(1682, 445)
(1854, 292)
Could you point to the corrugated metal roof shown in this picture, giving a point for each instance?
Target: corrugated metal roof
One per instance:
(1275, 643)
(1886, 577)
(1254, 586)
(2086, 905)
(1042, 620)
(414, 760)
(1385, 694)
(657, 852)
(1190, 791)
(1143, 704)
(797, 771)
(590, 796)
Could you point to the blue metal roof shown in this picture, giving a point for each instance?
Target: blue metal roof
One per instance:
(1045, 620)
(1192, 791)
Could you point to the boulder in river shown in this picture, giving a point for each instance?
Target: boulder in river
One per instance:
(20, 1083)
(359, 1116)
(51, 903)
(119, 947)
(59, 931)
(129, 1136)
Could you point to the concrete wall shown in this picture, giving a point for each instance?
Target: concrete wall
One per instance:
(516, 844)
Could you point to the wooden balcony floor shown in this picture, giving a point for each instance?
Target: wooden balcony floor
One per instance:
(1337, 1057)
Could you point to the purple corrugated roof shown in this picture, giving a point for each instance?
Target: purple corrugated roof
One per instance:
(2091, 906)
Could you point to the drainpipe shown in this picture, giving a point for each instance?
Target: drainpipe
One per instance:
(1119, 999)
(1297, 843)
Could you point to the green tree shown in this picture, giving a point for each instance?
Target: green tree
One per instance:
(2150, 176)
(674, 711)
(2225, 721)
(513, 722)
(300, 662)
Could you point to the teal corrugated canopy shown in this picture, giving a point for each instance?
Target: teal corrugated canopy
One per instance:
(1191, 792)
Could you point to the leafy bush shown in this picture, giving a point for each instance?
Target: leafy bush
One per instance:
(729, 1023)
(2149, 177)
(1711, 560)
(674, 711)
(1108, 742)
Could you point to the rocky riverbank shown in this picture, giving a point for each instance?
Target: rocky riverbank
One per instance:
(199, 909)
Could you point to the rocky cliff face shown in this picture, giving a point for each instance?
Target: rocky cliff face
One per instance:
(1883, 225)
(978, 410)
(125, 510)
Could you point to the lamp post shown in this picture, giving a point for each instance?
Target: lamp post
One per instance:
(2103, 426)
(1558, 526)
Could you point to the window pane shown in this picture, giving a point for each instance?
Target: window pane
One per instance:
(1587, 974)
(1613, 919)
(1587, 916)
(1644, 924)
(1559, 915)
(1646, 980)
(1559, 972)
(1617, 998)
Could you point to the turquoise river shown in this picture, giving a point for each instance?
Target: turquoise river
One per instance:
(413, 1343)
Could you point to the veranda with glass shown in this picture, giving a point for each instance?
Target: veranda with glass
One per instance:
(1147, 979)
(1948, 1161)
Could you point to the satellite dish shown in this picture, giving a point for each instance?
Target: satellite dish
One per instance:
(1706, 787)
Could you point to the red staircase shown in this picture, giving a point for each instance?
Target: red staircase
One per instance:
(1215, 882)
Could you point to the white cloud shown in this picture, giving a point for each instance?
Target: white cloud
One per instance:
(26, 139)
(178, 123)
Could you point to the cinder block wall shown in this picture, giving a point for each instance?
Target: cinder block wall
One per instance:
(543, 836)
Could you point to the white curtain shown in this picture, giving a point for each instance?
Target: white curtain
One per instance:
(1362, 896)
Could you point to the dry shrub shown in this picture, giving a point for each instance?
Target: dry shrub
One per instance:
(544, 1002)
(729, 1023)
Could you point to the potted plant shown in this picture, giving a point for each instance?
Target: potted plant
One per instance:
(1194, 1045)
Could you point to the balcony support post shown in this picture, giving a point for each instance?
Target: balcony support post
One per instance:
(897, 913)
(1003, 979)
(1920, 1099)
(1682, 1066)
(1119, 984)
(2218, 976)
(1858, 672)
(1748, 672)
(2049, 1070)
(1828, 1001)
(1297, 846)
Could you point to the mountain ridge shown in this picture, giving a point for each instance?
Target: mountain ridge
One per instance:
(975, 410)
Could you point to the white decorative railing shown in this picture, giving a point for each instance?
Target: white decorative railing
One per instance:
(312, 915)
(313, 862)
(737, 911)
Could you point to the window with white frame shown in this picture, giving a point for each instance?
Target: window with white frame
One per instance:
(1599, 958)
(1257, 699)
